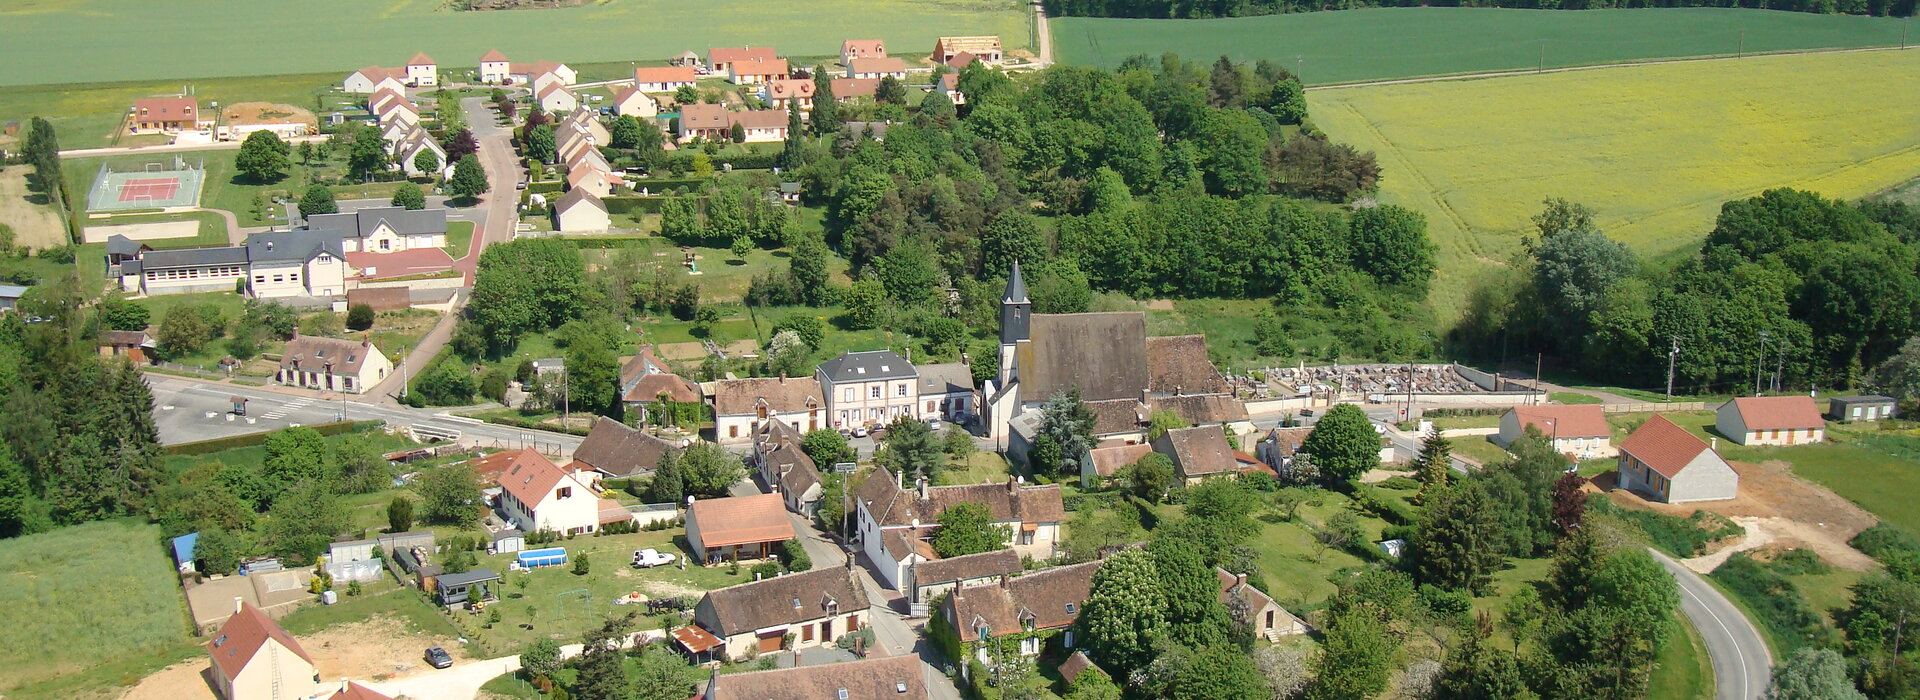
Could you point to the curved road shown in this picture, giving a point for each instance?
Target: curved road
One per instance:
(1742, 666)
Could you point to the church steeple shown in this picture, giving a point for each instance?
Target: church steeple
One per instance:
(1016, 310)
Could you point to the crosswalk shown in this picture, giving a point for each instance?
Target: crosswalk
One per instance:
(286, 408)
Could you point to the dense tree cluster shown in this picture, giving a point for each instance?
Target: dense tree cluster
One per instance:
(1193, 9)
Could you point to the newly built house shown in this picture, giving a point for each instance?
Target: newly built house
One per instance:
(1771, 420)
(1664, 462)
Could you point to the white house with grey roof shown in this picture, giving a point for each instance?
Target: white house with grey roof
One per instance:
(385, 229)
(269, 265)
(869, 388)
(946, 392)
(332, 364)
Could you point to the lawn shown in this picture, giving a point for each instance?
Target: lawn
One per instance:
(1379, 44)
(82, 40)
(565, 605)
(459, 237)
(722, 276)
(1683, 670)
(88, 116)
(85, 595)
(1654, 150)
(1572, 398)
(1295, 566)
(1480, 448)
(213, 228)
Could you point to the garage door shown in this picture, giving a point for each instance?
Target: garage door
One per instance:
(770, 641)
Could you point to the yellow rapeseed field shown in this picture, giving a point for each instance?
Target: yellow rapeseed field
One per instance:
(1654, 149)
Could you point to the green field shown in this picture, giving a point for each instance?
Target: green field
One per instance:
(86, 116)
(1388, 43)
(1653, 149)
(85, 595)
(75, 41)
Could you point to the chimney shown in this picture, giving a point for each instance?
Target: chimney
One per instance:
(1013, 486)
(1716, 443)
(238, 604)
(921, 486)
(1005, 583)
(900, 480)
(1239, 581)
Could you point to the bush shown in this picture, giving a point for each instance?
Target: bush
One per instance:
(1444, 601)
(1798, 562)
(794, 555)
(1885, 540)
(1400, 483)
(1778, 604)
(580, 565)
(764, 570)
(1388, 508)
(359, 317)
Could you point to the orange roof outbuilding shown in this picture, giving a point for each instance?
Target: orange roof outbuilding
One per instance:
(741, 520)
(1559, 421)
(1663, 446)
(1779, 412)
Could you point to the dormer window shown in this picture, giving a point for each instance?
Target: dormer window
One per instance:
(796, 603)
(1072, 609)
(843, 694)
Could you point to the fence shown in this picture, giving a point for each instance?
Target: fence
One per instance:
(649, 513)
(1653, 407)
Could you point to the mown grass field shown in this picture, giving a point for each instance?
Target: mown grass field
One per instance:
(86, 116)
(85, 595)
(1387, 43)
(1654, 150)
(71, 41)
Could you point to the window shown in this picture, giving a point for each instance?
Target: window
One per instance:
(900, 390)
(1030, 646)
(564, 492)
(873, 393)
(848, 394)
(1066, 639)
(806, 633)
(733, 431)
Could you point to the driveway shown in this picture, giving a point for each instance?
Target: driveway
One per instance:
(1742, 666)
(461, 681)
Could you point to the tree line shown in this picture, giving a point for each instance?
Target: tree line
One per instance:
(1198, 9)
(1789, 290)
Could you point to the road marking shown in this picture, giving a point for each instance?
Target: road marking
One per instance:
(286, 408)
(1739, 654)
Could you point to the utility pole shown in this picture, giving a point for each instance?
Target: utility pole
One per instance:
(1779, 367)
(566, 398)
(1672, 355)
(1537, 362)
(403, 377)
(1759, 361)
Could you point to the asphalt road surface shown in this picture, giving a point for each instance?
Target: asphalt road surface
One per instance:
(187, 410)
(1742, 666)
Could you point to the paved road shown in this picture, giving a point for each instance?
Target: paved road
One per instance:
(1046, 33)
(181, 408)
(175, 148)
(461, 681)
(1742, 667)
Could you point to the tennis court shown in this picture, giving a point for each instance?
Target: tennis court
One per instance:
(153, 185)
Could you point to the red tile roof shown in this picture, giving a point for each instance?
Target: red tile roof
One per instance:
(1585, 420)
(1108, 461)
(759, 119)
(243, 635)
(702, 116)
(788, 88)
(777, 66)
(1779, 412)
(493, 56)
(864, 47)
(420, 59)
(491, 467)
(1664, 446)
(405, 262)
(886, 64)
(741, 520)
(729, 55)
(855, 87)
(665, 74)
(167, 109)
(355, 691)
(532, 480)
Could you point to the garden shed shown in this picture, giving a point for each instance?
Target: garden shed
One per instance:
(454, 589)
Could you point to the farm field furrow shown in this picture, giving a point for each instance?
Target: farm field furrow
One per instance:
(1387, 43)
(1655, 150)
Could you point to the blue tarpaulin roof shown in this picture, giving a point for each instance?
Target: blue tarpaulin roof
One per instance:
(183, 547)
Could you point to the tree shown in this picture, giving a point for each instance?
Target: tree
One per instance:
(303, 520)
(1285, 669)
(1195, 616)
(866, 304)
(686, 95)
(400, 514)
(317, 200)
(409, 196)
(1011, 236)
(469, 180)
(625, 132)
(1092, 684)
(890, 91)
(296, 455)
(825, 118)
(42, 150)
(1124, 614)
(1220, 672)
(122, 314)
(807, 267)
(1522, 615)
(1390, 243)
(263, 157)
(359, 317)
(593, 377)
(1355, 660)
(1434, 467)
(540, 143)
(427, 162)
(968, 528)
(1149, 478)
(911, 449)
(1231, 143)
(542, 659)
(581, 564)
(450, 494)
(460, 145)
(1899, 376)
(1569, 503)
(1456, 544)
(667, 485)
(1572, 269)
(737, 132)
(1161, 421)
(708, 470)
(1343, 444)
(1068, 421)
(1339, 532)
(826, 447)
(601, 667)
(217, 551)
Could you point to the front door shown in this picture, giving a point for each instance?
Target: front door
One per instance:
(826, 629)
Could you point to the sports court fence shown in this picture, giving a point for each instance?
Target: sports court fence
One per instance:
(158, 184)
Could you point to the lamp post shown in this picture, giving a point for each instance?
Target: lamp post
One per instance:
(1759, 360)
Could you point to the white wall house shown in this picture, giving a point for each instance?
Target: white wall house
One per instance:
(255, 659)
(741, 405)
(538, 495)
(869, 388)
(493, 67)
(1771, 420)
(371, 79)
(332, 364)
(1665, 463)
(422, 71)
(385, 229)
(892, 520)
(1579, 431)
(815, 607)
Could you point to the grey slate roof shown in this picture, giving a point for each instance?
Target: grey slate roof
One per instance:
(9, 291)
(361, 223)
(1016, 292)
(1845, 400)
(291, 246)
(1103, 354)
(781, 600)
(122, 245)
(194, 257)
(945, 378)
(866, 366)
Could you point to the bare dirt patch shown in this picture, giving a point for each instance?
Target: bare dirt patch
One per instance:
(34, 225)
(187, 680)
(144, 232)
(381, 646)
(266, 113)
(1776, 508)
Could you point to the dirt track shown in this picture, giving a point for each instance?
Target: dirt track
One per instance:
(34, 226)
(1777, 509)
(379, 648)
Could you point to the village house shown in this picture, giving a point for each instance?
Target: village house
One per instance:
(269, 265)
(738, 528)
(701, 120)
(632, 102)
(1771, 420)
(332, 364)
(985, 48)
(686, 58)
(874, 678)
(664, 78)
(756, 71)
(579, 211)
(253, 658)
(531, 73)
(352, 690)
(931, 579)
(1579, 431)
(408, 148)
(861, 48)
(588, 122)
(1122, 374)
(866, 389)
(1197, 453)
(1027, 610)
(893, 520)
(848, 88)
(1109, 460)
(536, 494)
(1266, 618)
(588, 158)
(760, 125)
(816, 607)
(645, 380)
(785, 468)
(491, 467)
(720, 61)
(557, 99)
(740, 405)
(1665, 463)
(569, 140)
(422, 71)
(779, 92)
(946, 392)
(384, 229)
(595, 181)
(373, 79)
(950, 82)
(494, 67)
(136, 346)
(877, 68)
(1867, 407)
(164, 114)
(617, 451)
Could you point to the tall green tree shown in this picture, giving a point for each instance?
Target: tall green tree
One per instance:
(263, 157)
(1194, 615)
(318, 200)
(1125, 612)
(1433, 467)
(528, 285)
(469, 180)
(911, 449)
(968, 528)
(427, 162)
(1068, 422)
(1355, 661)
(625, 132)
(1813, 674)
(1343, 444)
(1456, 545)
(409, 196)
(1390, 243)
(450, 495)
(593, 377)
(825, 118)
(368, 153)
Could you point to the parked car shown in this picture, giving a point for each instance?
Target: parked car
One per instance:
(648, 558)
(439, 657)
(860, 432)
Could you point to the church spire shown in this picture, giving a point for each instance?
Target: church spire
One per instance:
(1016, 288)
(1015, 310)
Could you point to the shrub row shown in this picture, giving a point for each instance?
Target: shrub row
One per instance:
(256, 439)
(1681, 537)
(1782, 609)
(1388, 508)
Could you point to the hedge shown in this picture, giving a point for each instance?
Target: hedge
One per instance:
(545, 187)
(1884, 540)
(605, 242)
(625, 204)
(518, 422)
(1092, 501)
(1388, 508)
(257, 439)
(1680, 537)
